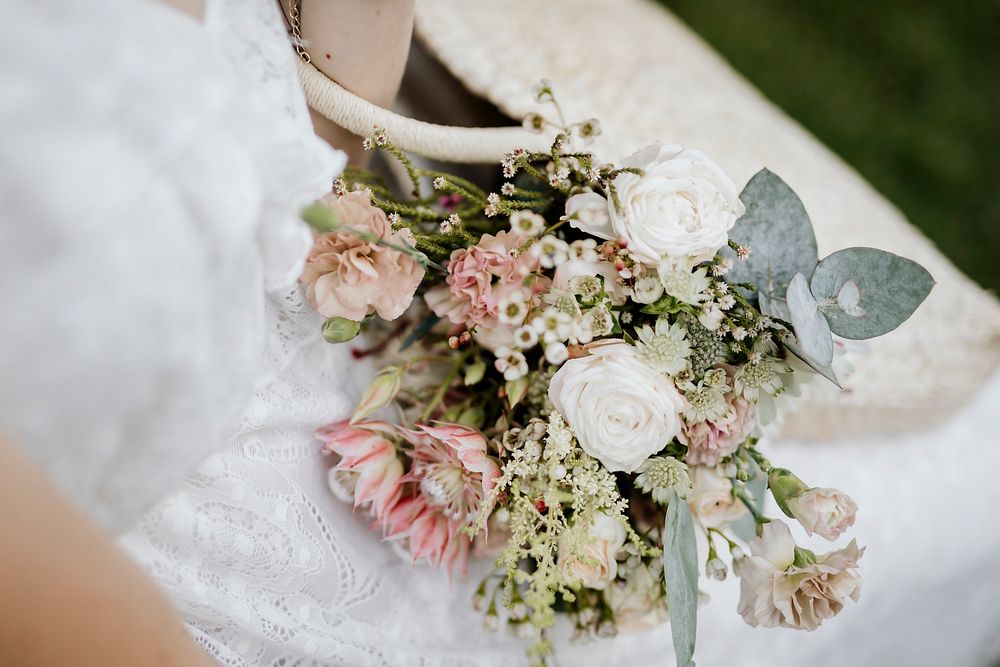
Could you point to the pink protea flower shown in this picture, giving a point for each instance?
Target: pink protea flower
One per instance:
(347, 276)
(479, 277)
(452, 468)
(430, 534)
(710, 441)
(365, 450)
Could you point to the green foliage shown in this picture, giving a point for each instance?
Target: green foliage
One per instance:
(680, 570)
(905, 92)
(778, 232)
(884, 290)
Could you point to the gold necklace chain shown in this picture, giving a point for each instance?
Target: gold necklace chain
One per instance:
(295, 23)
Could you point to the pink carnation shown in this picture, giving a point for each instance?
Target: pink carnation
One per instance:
(478, 278)
(346, 276)
(708, 442)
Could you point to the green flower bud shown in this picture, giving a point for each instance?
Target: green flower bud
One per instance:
(784, 486)
(379, 393)
(340, 329)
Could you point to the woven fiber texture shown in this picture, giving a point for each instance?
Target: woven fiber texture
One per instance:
(439, 142)
(647, 77)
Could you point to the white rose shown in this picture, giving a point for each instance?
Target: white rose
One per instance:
(620, 409)
(711, 499)
(683, 206)
(826, 512)
(593, 563)
(638, 603)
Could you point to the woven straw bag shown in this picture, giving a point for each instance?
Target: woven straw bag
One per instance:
(646, 77)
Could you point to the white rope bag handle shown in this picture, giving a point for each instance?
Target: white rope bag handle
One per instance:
(439, 142)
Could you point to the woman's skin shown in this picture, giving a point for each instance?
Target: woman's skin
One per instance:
(368, 58)
(68, 594)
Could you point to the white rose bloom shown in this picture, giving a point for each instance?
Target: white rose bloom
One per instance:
(683, 206)
(594, 562)
(621, 410)
(711, 499)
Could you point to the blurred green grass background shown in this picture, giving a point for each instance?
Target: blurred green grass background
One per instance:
(906, 92)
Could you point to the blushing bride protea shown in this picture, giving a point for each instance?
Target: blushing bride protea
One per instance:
(451, 467)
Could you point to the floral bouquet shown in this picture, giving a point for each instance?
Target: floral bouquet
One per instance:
(576, 377)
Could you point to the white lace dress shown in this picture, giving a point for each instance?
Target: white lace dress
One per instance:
(265, 565)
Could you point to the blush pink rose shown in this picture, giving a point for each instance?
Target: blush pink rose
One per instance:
(347, 276)
(709, 442)
(479, 277)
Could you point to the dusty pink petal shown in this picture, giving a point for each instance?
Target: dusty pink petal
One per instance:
(346, 276)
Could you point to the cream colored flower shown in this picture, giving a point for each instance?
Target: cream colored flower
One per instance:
(638, 602)
(593, 562)
(779, 587)
(664, 348)
(682, 206)
(711, 499)
(826, 512)
(621, 410)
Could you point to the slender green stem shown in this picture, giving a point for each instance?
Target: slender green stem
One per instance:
(445, 384)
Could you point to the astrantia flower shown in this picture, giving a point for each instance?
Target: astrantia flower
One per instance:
(551, 251)
(760, 376)
(587, 287)
(563, 301)
(662, 477)
(664, 348)
(599, 321)
(683, 284)
(717, 436)
(527, 223)
(705, 402)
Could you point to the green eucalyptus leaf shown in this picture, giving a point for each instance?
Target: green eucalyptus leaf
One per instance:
(680, 571)
(778, 232)
(340, 329)
(825, 371)
(864, 292)
(812, 332)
